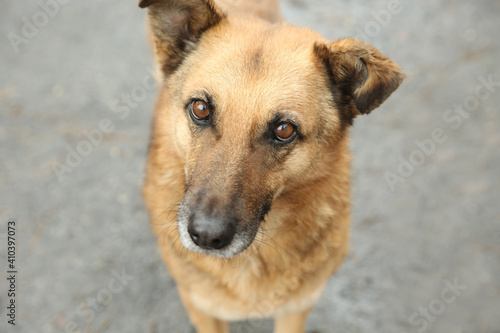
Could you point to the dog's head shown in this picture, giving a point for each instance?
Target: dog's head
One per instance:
(257, 109)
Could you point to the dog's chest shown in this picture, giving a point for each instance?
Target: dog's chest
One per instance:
(255, 291)
(231, 306)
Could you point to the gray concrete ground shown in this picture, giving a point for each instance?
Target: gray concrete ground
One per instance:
(425, 253)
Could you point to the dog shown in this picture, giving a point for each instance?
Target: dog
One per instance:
(248, 174)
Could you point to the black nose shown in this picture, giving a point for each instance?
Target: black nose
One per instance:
(210, 233)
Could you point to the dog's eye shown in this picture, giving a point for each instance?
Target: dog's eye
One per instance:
(199, 110)
(285, 132)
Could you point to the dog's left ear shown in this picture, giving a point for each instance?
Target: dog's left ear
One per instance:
(360, 74)
(177, 25)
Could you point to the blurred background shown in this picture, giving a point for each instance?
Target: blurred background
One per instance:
(76, 98)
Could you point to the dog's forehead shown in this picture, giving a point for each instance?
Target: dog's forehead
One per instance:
(267, 67)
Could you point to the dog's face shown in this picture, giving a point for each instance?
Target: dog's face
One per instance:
(258, 111)
(258, 116)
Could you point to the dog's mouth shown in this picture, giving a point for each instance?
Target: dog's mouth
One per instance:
(219, 235)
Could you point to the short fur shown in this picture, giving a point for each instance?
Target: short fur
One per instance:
(289, 204)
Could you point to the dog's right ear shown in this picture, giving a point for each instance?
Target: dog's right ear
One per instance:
(177, 25)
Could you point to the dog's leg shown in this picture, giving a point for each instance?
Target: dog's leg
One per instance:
(203, 322)
(292, 323)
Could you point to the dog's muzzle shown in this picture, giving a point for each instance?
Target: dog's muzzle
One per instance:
(216, 229)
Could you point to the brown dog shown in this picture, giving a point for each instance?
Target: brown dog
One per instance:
(248, 172)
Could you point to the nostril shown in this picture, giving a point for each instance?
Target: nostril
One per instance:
(219, 240)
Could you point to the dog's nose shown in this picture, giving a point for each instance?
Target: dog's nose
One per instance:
(210, 234)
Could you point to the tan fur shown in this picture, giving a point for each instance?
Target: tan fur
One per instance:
(252, 67)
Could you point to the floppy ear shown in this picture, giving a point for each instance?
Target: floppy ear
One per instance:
(177, 25)
(360, 74)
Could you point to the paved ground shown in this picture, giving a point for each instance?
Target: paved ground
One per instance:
(425, 244)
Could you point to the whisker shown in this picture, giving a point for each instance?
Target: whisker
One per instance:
(262, 241)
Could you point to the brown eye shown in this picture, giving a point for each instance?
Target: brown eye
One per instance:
(199, 110)
(285, 132)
